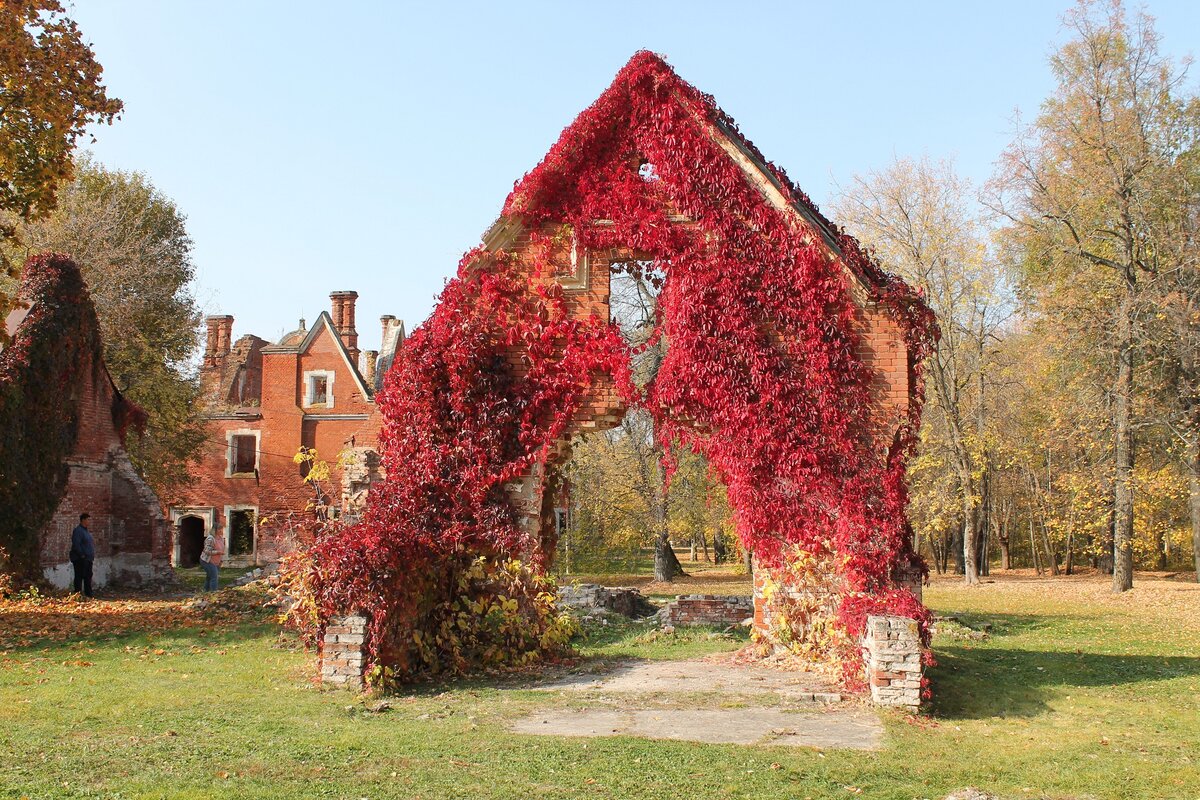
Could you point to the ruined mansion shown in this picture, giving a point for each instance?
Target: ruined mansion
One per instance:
(264, 402)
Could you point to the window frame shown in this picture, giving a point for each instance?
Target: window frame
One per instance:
(229, 512)
(231, 452)
(307, 398)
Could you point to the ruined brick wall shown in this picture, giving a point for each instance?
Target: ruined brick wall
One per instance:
(586, 285)
(799, 604)
(707, 609)
(127, 523)
(808, 601)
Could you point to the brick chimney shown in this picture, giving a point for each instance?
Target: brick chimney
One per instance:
(217, 343)
(371, 357)
(386, 321)
(343, 320)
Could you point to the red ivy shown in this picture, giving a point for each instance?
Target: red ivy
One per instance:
(762, 373)
(55, 352)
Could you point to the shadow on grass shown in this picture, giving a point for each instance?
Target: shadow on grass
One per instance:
(1005, 624)
(975, 683)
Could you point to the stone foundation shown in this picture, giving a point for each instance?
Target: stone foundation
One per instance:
(707, 609)
(619, 599)
(342, 652)
(892, 658)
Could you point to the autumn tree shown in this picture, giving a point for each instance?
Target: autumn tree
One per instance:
(1172, 327)
(1052, 426)
(619, 502)
(917, 215)
(50, 90)
(633, 304)
(1081, 188)
(131, 244)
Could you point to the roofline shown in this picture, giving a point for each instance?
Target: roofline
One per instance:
(807, 213)
(323, 319)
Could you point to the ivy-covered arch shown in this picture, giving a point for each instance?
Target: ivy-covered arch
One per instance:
(792, 365)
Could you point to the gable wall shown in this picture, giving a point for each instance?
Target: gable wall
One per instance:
(127, 523)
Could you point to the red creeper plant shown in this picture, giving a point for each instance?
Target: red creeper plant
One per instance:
(763, 374)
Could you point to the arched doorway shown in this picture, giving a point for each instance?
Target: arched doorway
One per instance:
(191, 541)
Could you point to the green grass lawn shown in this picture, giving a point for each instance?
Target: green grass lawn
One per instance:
(1074, 694)
(193, 577)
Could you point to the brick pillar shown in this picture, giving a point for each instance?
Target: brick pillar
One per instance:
(892, 658)
(216, 342)
(342, 652)
(372, 359)
(343, 320)
(225, 340)
(335, 310)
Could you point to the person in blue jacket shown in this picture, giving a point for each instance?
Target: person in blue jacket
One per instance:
(83, 554)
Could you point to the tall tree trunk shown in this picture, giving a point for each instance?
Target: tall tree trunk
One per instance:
(970, 546)
(983, 528)
(1002, 534)
(1033, 550)
(718, 539)
(985, 549)
(666, 563)
(1051, 556)
(1123, 450)
(937, 545)
(957, 547)
(1194, 497)
(1162, 549)
(1105, 562)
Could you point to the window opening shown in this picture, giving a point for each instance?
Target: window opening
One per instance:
(245, 453)
(241, 532)
(318, 390)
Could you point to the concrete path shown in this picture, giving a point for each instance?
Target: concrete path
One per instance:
(714, 674)
(752, 725)
(690, 701)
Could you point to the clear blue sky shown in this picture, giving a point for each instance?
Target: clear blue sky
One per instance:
(323, 146)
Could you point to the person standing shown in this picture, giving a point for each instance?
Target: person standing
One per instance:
(210, 559)
(83, 555)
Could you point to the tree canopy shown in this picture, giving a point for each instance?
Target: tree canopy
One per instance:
(50, 91)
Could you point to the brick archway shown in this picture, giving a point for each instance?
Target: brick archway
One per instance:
(191, 533)
(791, 362)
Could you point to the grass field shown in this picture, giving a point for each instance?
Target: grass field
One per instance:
(1075, 693)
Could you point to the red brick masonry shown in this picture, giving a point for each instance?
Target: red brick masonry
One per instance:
(892, 659)
(341, 652)
(707, 609)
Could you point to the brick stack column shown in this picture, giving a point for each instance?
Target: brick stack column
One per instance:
(342, 308)
(342, 652)
(892, 657)
(217, 339)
